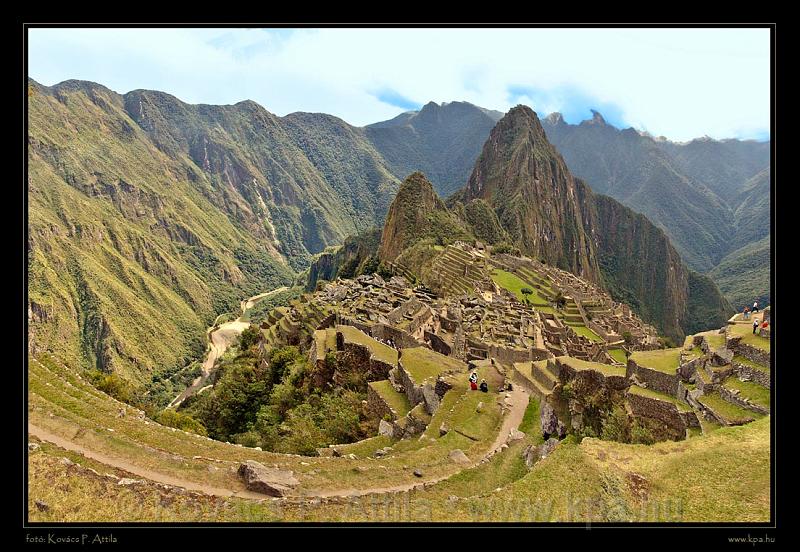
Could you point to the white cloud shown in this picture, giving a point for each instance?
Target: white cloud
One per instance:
(680, 83)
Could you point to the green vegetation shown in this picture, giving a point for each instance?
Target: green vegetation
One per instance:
(516, 285)
(663, 360)
(618, 355)
(755, 393)
(617, 426)
(582, 330)
(180, 420)
(730, 412)
(128, 242)
(530, 421)
(747, 362)
(743, 275)
(260, 311)
(278, 407)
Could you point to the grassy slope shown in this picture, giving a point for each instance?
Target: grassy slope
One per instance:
(663, 360)
(743, 275)
(124, 247)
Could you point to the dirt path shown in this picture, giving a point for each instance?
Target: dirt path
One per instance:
(219, 340)
(44, 435)
(511, 420)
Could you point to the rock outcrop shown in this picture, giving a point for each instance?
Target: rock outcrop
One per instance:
(269, 481)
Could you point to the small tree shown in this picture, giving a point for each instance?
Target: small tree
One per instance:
(560, 300)
(626, 335)
(249, 337)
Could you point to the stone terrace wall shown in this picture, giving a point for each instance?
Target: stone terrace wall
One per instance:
(662, 411)
(438, 344)
(377, 407)
(401, 338)
(655, 380)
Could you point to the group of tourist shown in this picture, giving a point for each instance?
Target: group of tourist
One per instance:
(473, 383)
(746, 314)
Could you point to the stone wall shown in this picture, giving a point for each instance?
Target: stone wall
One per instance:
(655, 380)
(377, 407)
(438, 344)
(400, 338)
(752, 353)
(746, 372)
(734, 398)
(662, 411)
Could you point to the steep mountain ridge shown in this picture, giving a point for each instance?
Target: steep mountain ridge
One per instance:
(148, 216)
(554, 216)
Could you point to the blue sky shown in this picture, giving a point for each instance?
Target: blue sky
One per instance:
(679, 83)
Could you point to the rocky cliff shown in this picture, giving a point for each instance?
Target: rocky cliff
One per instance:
(556, 217)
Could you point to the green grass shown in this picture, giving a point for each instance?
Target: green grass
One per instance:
(745, 331)
(397, 401)
(422, 363)
(756, 393)
(730, 412)
(649, 393)
(530, 421)
(618, 355)
(715, 340)
(514, 284)
(580, 329)
(720, 476)
(663, 360)
(381, 352)
(605, 369)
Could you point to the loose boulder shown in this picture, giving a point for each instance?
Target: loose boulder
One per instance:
(269, 481)
(459, 457)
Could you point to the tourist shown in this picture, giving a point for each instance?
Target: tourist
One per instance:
(484, 386)
(755, 324)
(755, 306)
(473, 381)
(746, 313)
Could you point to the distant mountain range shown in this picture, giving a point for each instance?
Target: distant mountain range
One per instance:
(148, 216)
(711, 197)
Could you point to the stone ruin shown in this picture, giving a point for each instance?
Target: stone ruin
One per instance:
(536, 347)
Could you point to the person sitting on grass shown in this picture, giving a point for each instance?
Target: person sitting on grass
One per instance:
(484, 386)
(473, 381)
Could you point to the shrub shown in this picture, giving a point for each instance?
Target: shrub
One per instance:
(616, 426)
(173, 418)
(640, 434)
(249, 337)
(111, 384)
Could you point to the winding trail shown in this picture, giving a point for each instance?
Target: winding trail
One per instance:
(511, 420)
(220, 338)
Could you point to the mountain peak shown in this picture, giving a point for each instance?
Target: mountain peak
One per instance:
(555, 118)
(416, 213)
(597, 119)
